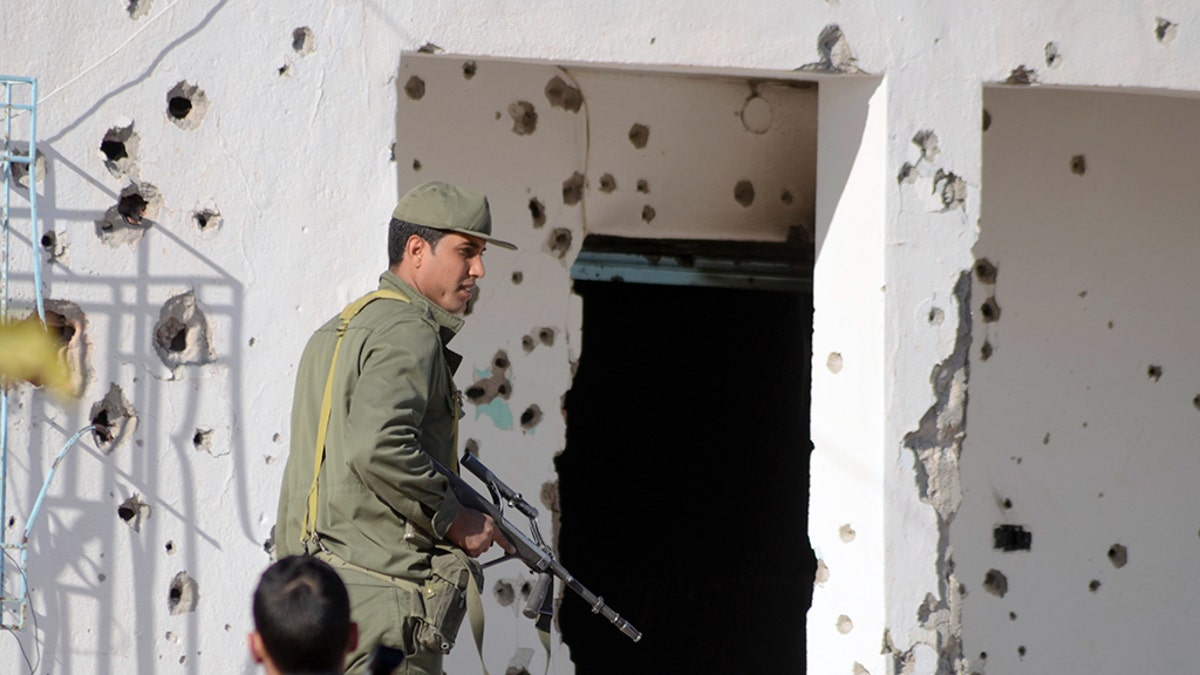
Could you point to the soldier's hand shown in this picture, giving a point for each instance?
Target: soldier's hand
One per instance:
(475, 532)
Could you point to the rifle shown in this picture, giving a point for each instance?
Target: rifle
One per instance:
(534, 552)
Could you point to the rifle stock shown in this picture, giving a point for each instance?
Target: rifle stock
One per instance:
(534, 552)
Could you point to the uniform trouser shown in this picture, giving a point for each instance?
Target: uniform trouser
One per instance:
(386, 613)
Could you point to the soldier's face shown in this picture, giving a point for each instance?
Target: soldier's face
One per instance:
(446, 273)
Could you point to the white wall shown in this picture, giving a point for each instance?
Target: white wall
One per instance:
(1071, 436)
(294, 153)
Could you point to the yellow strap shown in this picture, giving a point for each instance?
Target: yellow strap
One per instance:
(475, 615)
(351, 310)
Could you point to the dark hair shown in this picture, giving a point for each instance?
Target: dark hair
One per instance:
(302, 613)
(398, 233)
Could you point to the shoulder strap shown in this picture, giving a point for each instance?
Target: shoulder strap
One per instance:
(351, 310)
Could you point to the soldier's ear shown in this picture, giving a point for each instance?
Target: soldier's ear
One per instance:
(257, 651)
(415, 248)
(352, 638)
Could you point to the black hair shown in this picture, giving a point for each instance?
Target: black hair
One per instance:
(398, 233)
(302, 614)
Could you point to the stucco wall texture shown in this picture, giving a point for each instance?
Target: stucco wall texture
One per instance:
(264, 144)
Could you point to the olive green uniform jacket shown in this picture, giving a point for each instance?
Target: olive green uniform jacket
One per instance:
(394, 400)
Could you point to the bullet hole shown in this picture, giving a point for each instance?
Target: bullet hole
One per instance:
(187, 105)
(171, 549)
(181, 335)
(907, 174)
(12, 520)
(1094, 585)
(846, 533)
(202, 440)
(468, 70)
(207, 220)
(527, 343)
(786, 197)
(138, 8)
(822, 575)
(639, 135)
(275, 438)
(1196, 401)
(517, 277)
(504, 592)
(415, 88)
(132, 207)
(1022, 76)
(985, 351)
(1012, 616)
(951, 188)
(1053, 58)
(1009, 538)
(102, 577)
(572, 189)
(531, 417)
(269, 543)
(1021, 651)
(66, 321)
(1007, 504)
(120, 150)
(1118, 555)
(643, 187)
(987, 119)
(927, 141)
(496, 384)
(562, 95)
(1164, 30)
(285, 70)
(134, 512)
(546, 336)
(648, 213)
(608, 183)
(114, 419)
(996, 583)
(834, 362)
(1154, 372)
(537, 211)
(304, 41)
(416, 165)
(743, 193)
(1082, 294)
(430, 48)
(1110, 325)
(990, 310)
(559, 241)
(1078, 165)
(844, 625)
(524, 118)
(183, 595)
(985, 271)
(936, 316)
(834, 52)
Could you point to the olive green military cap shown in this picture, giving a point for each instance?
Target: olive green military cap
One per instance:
(450, 208)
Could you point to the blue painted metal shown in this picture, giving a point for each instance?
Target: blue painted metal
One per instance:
(11, 156)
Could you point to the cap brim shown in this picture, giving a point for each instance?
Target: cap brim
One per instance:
(489, 239)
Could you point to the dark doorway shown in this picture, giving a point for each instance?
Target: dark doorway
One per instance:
(684, 483)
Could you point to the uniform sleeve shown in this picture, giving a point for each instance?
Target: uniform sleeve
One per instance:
(386, 410)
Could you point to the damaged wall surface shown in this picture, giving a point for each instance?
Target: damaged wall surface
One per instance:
(1084, 400)
(218, 174)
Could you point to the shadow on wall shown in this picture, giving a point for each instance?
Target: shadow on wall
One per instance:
(127, 520)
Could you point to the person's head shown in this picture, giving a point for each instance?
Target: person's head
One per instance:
(436, 240)
(301, 618)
